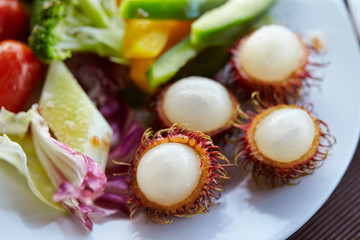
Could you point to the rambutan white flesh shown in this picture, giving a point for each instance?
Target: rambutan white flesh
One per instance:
(272, 54)
(285, 134)
(202, 103)
(168, 180)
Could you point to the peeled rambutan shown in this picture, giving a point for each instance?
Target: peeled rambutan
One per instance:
(281, 143)
(202, 103)
(176, 172)
(274, 61)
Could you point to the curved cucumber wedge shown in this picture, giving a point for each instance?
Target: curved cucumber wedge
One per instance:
(170, 62)
(167, 9)
(224, 24)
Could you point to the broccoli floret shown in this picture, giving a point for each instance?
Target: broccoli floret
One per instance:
(60, 27)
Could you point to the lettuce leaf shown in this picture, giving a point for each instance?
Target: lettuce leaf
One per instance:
(21, 154)
(79, 180)
(14, 124)
(56, 174)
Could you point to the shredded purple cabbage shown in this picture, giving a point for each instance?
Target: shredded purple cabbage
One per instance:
(103, 81)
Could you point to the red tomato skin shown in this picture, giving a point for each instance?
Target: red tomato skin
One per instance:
(19, 73)
(12, 19)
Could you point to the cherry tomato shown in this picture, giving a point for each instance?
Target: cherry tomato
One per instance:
(19, 73)
(12, 19)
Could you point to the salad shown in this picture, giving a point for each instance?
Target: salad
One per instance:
(127, 119)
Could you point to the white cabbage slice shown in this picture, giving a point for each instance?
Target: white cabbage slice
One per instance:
(79, 179)
(16, 148)
(14, 124)
(56, 174)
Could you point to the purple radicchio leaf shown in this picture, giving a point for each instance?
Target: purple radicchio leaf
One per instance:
(79, 180)
(103, 81)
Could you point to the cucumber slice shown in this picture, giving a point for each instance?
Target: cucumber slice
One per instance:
(223, 25)
(167, 9)
(170, 62)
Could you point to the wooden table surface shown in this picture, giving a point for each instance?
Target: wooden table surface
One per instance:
(339, 217)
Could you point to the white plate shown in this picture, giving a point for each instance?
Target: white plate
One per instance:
(244, 211)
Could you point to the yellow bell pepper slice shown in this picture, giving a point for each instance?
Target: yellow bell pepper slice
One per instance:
(146, 40)
(139, 67)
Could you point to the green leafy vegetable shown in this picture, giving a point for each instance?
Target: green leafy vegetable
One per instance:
(21, 154)
(14, 124)
(60, 27)
(56, 174)
(78, 179)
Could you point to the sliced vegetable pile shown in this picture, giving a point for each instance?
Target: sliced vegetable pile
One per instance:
(108, 70)
(59, 28)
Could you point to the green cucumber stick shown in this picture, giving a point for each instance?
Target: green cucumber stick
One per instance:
(224, 24)
(171, 62)
(166, 9)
